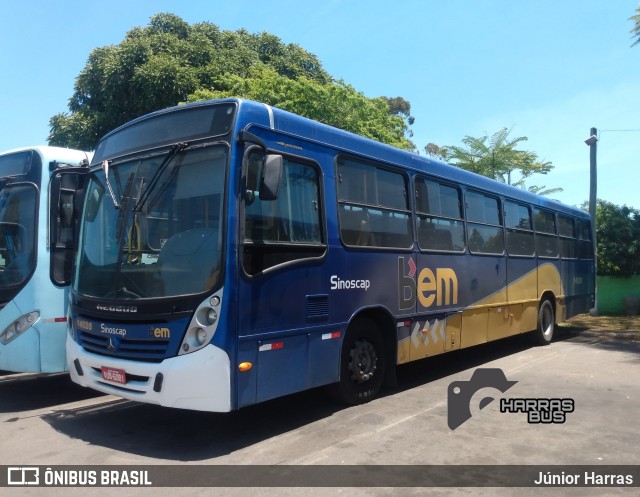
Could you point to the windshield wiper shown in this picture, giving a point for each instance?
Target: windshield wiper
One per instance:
(105, 169)
(123, 215)
(175, 150)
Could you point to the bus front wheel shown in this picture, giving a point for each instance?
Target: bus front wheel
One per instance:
(362, 363)
(546, 323)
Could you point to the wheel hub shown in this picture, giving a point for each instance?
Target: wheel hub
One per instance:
(363, 363)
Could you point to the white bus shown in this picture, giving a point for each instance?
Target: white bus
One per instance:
(40, 188)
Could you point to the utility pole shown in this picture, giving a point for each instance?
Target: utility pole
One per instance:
(592, 141)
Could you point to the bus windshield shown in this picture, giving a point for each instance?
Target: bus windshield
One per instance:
(17, 230)
(153, 227)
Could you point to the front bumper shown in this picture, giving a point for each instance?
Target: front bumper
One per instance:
(200, 381)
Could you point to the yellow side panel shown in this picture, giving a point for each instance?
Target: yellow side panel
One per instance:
(474, 327)
(516, 312)
(499, 323)
(529, 317)
(489, 319)
(454, 328)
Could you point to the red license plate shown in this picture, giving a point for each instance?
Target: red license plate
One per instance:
(115, 375)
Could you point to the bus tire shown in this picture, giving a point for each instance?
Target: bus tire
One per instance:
(362, 363)
(546, 323)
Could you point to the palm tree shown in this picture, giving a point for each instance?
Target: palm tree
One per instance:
(498, 158)
(635, 31)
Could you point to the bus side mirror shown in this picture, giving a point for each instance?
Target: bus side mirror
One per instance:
(67, 190)
(270, 177)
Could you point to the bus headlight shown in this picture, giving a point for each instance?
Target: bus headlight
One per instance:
(195, 339)
(201, 336)
(212, 316)
(203, 325)
(19, 326)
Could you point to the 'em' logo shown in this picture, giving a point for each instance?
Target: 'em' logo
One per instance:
(159, 332)
(440, 287)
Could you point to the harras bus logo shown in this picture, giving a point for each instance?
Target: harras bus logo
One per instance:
(460, 393)
(439, 288)
(538, 410)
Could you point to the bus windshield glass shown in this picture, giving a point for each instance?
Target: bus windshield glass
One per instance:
(17, 233)
(158, 231)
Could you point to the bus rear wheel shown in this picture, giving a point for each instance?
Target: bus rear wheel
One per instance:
(362, 363)
(546, 323)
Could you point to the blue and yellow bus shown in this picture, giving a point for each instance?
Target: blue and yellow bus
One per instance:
(40, 188)
(231, 253)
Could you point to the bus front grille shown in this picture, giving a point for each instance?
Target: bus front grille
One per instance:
(124, 348)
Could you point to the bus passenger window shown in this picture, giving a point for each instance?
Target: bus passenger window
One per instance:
(484, 228)
(546, 237)
(566, 230)
(440, 224)
(585, 245)
(373, 206)
(519, 229)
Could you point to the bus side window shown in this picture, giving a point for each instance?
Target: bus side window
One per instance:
(546, 235)
(566, 230)
(519, 229)
(286, 228)
(440, 222)
(585, 244)
(484, 224)
(373, 206)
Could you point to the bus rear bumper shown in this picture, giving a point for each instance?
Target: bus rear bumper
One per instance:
(200, 381)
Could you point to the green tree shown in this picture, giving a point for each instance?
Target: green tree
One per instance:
(436, 152)
(336, 104)
(618, 239)
(496, 157)
(635, 31)
(171, 62)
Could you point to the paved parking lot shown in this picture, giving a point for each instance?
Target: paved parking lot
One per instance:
(49, 421)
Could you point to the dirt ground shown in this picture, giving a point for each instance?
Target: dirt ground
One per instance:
(626, 327)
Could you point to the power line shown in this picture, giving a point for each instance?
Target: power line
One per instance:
(620, 130)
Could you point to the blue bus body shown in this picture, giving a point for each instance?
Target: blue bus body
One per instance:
(34, 255)
(367, 257)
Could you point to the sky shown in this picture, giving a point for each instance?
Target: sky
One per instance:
(546, 69)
